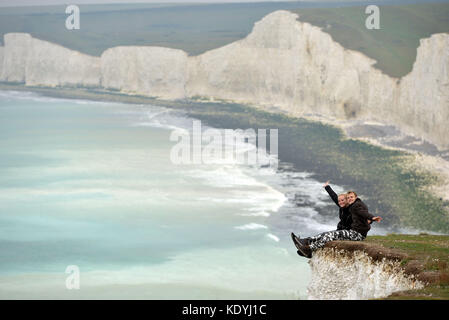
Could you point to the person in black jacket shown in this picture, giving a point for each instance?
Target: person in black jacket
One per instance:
(342, 203)
(361, 218)
(344, 215)
(360, 225)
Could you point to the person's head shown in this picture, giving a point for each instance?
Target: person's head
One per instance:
(351, 196)
(342, 201)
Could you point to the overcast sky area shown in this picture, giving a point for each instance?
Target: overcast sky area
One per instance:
(13, 3)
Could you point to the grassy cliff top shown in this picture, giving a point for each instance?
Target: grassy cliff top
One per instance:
(394, 45)
(423, 255)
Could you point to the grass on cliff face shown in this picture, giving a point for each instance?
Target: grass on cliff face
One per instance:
(432, 251)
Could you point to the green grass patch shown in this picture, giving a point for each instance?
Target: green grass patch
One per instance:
(430, 250)
(394, 45)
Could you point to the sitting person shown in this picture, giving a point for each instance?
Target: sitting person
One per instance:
(344, 215)
(360, 225)
(342, 203)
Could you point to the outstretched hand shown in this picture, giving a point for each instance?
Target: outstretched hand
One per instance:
(378, 219)
(326, 183)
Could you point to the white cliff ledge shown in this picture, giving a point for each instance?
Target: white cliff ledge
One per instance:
(395, 266)
(342, 275)
(283, 62)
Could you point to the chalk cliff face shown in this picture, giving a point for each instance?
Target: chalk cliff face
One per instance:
(53, 65)
(15, 56)
(283, 62)
(38, 62)
(2, 53)
(424, 92)
(299, 68)
(294, 66)
(337, 275)
(150, 71)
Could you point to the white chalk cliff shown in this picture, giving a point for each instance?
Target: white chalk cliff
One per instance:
(2, 50)
(41, 63)
(283, 62)
(339, 275)
(150, 71)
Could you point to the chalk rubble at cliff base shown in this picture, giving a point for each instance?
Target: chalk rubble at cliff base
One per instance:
(282, 63)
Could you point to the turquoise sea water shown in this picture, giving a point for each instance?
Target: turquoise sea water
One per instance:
(91, 184)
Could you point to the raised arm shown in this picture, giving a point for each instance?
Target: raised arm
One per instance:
(331, 192)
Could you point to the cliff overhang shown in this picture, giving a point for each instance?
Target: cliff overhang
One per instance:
(375, 269)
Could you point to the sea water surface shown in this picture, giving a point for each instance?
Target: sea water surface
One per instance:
(91, 185)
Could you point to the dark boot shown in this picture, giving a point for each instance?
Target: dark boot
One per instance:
(296, 240)
(299, 252)
(299, 242)
(306, 251)
(304, 242)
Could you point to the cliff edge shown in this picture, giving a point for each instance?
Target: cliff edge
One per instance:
(382, 267)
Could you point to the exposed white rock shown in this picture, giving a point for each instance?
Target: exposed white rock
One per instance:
(151, 71)
(339, 275)
(16, 51)
(283, 62)
(299, 68)
(2, 53)
(53, 65)
(38, 62)
(424, 92)
(260, 69)
(292, 65)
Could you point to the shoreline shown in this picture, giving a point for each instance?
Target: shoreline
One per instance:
(427, 155)
(436, 165)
